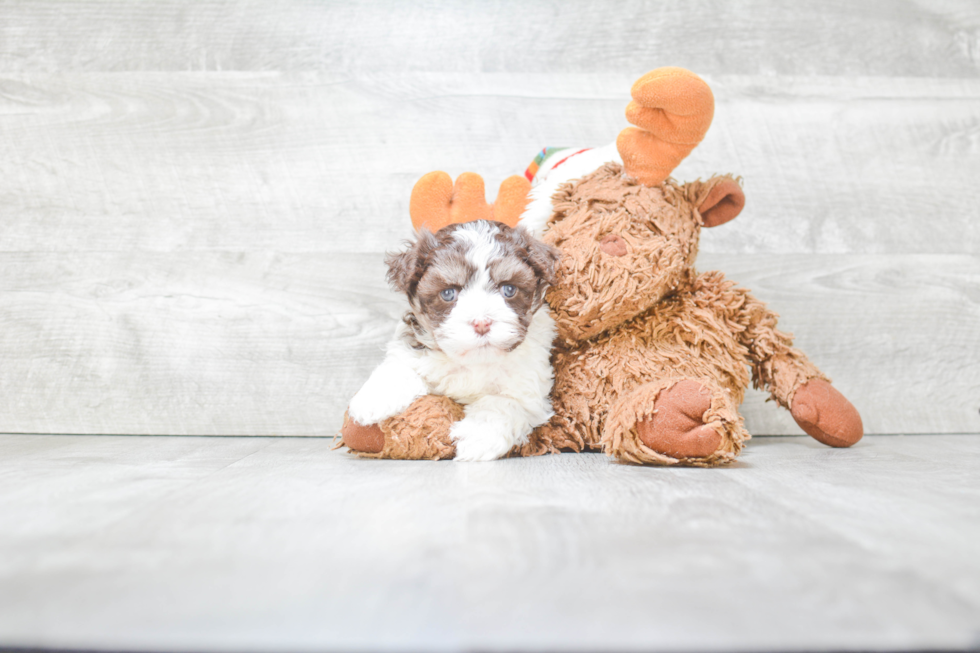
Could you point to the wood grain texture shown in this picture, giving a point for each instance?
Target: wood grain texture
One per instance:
(195, 196)
(915, 38)
(199, 343)
(202, 344)
(255, 544)
(244, 162)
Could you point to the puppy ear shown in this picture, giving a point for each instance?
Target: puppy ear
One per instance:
(405, 269)
(542, 258)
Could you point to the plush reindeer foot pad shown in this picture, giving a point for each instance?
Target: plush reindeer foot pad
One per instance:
(676, 428)
(365, 439)
(826, 415)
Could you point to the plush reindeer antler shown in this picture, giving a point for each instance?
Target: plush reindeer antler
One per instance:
(436, 202)
(673, 108)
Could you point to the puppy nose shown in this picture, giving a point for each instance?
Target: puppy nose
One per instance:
(613, 245)
(482, 327)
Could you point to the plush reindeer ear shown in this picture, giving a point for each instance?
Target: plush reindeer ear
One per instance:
(723, 202)
(672, 109)
(437, 201)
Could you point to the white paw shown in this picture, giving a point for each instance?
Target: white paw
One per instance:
(478, 441)
(387, 392)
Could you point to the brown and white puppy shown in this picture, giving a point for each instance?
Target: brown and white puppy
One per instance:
(477, 331)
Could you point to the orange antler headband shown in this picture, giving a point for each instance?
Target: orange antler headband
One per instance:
(437, 202)
(672, 109)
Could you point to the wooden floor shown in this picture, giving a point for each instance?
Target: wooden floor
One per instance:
(281, 544)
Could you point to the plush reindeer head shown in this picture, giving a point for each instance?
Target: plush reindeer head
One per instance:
(626, 246)
(629, 234)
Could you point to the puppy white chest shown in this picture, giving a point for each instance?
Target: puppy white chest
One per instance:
(464, 383)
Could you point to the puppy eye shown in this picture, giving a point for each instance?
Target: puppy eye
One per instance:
(448, 295)
(508, 290)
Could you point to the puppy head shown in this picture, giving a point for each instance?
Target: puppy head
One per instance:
(473, 287)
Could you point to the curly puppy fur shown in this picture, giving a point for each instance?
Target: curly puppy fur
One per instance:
(475, 333)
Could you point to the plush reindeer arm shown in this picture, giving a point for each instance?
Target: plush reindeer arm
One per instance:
(793, 381)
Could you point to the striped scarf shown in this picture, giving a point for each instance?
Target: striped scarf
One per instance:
(547, 160)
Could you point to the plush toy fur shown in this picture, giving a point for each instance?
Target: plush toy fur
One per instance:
(652, 359)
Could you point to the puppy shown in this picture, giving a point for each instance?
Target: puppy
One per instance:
(477, 331)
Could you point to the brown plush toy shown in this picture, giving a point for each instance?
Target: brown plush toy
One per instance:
(652, 359)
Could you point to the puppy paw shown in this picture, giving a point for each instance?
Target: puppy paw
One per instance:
(477, 441)
(387, 392)
(367, 409)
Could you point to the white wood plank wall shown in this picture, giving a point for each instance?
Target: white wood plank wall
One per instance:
(195, 195)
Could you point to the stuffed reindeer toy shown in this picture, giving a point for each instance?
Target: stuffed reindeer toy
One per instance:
(651, 359)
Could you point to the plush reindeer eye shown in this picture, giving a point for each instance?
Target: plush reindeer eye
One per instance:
(448, 295)
(508, 290)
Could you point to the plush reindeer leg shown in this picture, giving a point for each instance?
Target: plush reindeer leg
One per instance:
(678, 421)
(421, 432)
(677, 426)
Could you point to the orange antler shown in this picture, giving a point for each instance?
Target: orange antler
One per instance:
(437, 202)
(672, 109)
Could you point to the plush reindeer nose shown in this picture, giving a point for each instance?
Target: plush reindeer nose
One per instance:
(613, 245)
(482, 327)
